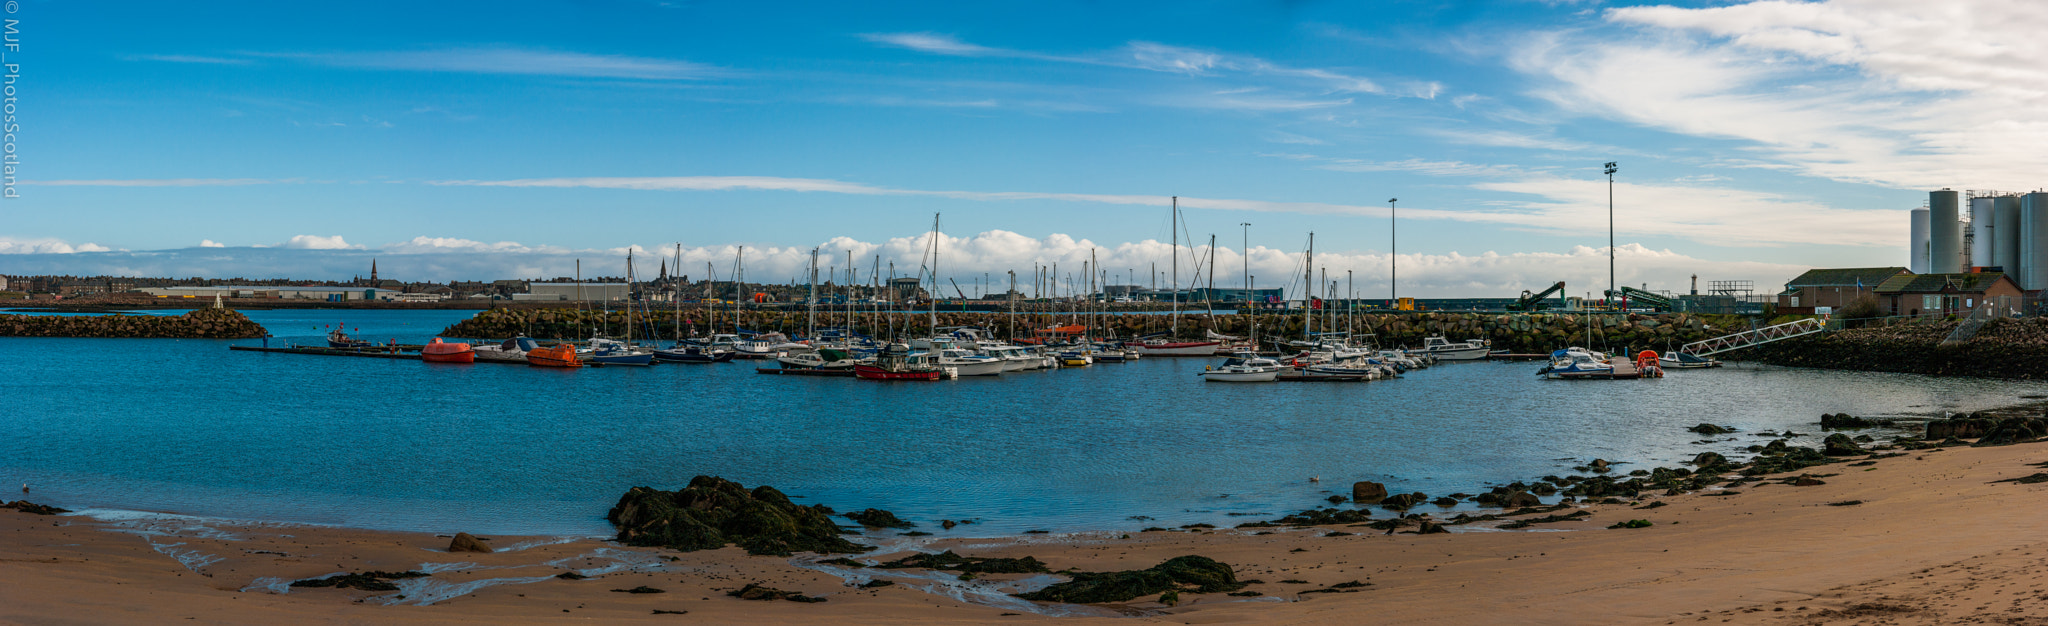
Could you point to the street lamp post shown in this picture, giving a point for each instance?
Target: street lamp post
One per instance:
(1610, 169)
(1394, 254)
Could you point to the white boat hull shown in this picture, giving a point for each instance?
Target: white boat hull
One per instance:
(989, 367)
(1241, 377)
(1459, 354)
(1200, 348)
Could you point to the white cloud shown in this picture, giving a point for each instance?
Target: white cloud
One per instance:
(936, 44)
(189, 58)
(209, 243)
(316, 242)
(1421, 166)
(46, 245)
(1159, 57)
(517, 61)
(1899, 93)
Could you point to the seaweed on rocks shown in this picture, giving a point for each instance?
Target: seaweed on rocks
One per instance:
(33, 508)
(1845, 421)
(1634, 523)
(1547, 519)
(1839, 444)
(1403, 501)
(877, 518)
(1795, 458)
(756, 591)
(2034, 479)
(713, 512)
(570, 576)
(1198, 574)
(951, 562)
(639, 589)
(366, 581)
(876, 583)
(1316, 517)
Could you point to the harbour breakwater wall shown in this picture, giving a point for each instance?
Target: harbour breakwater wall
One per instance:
(199, 324)
(1515, 332)
(2003, 348)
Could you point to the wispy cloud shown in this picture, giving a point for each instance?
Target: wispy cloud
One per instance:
(516, 61)
(1901, 94)
(162, 182)
(189, 58)
(46, 245)
(936, 43)
(318, 242)
(1423, 166)
(1159, 57)
(1710, 215)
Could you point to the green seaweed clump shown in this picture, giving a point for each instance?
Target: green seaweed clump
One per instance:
(1198, 574)
(713, 512)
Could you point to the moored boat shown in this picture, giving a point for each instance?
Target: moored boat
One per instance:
(438, 351)
(897, 362)
(558, 355)
(1574, 364)
(337, 338)
(511, 351)
(1683, 361)
(688, 353)
(1161, 347)
(1444, 350)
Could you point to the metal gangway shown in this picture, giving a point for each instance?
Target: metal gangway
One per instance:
(1755, 337)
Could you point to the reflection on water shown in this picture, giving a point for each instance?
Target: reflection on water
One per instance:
(187, 425)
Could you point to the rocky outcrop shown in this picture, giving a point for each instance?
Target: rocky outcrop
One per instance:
(1197, 574)
(1839, 444)
(877, 518)
(199, 324)
(33, 508)
(713, 512)
(1845, 421)
(1710, 429)
(465, 542)
(1368, 492)
(2003, 348)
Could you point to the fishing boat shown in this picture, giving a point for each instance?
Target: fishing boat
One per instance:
(1575, 364)
(1244, 369)
(437, 351)
(897, 362)
(558, 355)
(1444, 350)
(1683, 361)
(684, 352)
(511, 351)
(339, 339)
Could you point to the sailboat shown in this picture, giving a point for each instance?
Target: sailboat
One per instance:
(604, 351)
(1165, 344)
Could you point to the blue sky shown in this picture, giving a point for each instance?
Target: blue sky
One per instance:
(477, 141)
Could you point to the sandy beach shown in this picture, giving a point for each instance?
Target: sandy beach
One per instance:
(1934, 540)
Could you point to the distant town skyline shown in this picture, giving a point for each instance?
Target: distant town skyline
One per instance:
(510, 140)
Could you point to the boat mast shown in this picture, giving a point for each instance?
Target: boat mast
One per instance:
(739, 271)
(1173, 227)
(935, 276)
(675, 299)
(1207, 296)
(1308, 289)
(811, 317)
(629, 298)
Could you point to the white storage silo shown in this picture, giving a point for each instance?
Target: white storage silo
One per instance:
(1945, 232)
(1982, 232)
(1918, 253)
(2005, 250)
(2033, 273)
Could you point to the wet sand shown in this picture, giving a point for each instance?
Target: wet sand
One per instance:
(1933, 541)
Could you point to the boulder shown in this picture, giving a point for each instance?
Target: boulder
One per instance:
(1520, 499)
(1404, 500)
(1598, 465)
(1710, 429)
(465, 542)
(1839, 444)
(1368, 492)
(713, 512)
(877, 518)
(1832, 421)
(1709, 459)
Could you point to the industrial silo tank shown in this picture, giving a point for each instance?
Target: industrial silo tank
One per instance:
(1945, 232)
(2033, 272)
(1981, 231)
(2005, 250)
(1917, 256)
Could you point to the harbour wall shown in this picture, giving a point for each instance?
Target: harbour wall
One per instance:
(1529, 333)
(2005, 348)
(198, 324)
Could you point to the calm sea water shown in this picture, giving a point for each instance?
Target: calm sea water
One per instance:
(191, 427)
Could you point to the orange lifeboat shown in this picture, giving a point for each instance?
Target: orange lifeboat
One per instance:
(439, 352)
(558, 355)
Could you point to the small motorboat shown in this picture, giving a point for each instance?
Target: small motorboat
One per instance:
(1161, 347)
(1244, 369)
(511, 351)
(1575, 364)
(970, 364)
(558, 355)
(337, 338)
(1683, 361)
(438, 351)
(1443, 349)
(897, 362)
(821, 359)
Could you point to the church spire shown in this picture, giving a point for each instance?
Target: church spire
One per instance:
(373, 269)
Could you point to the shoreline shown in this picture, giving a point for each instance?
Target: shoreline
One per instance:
(1930, 527)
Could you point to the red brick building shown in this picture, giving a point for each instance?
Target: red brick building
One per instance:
(1942, 294)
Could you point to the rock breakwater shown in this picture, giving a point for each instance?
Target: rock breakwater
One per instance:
(199, 324)
(1516, 332)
